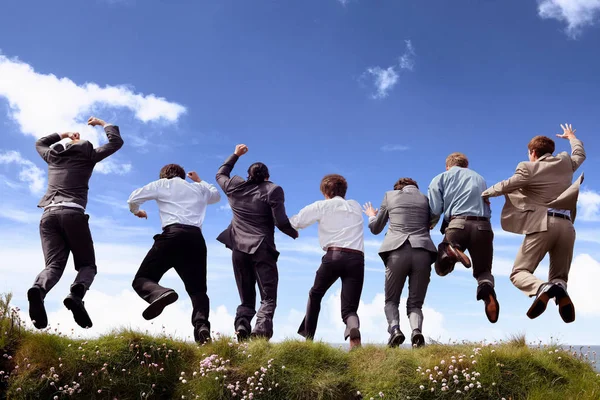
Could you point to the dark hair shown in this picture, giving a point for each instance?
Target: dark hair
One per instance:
(402, 182)
(258, 172)
(334, 185)
(541, 145)
(457, 160)
(171, 171)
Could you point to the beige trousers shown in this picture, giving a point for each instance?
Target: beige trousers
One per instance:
(558, 240)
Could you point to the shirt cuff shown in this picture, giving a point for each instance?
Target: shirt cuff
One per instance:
(107, 125)
(371, 219)
(134, 208)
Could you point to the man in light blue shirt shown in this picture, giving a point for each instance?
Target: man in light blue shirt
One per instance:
(456, 194)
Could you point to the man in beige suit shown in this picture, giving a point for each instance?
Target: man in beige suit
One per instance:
(541, 203)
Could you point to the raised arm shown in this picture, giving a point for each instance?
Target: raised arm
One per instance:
(519, 180)
(276, 201)
(577, 150)
(377, 219)
(435, 194)
(42, 145)
(224, 172)
(211, 193)
(114, 140)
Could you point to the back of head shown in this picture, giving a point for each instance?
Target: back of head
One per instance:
(403, 182)
(171, 171)
(258, 173)
(457, 160)
(541, 145)
(334, 185)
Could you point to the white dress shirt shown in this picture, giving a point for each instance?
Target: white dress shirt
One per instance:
(340, 222)
(179, 202)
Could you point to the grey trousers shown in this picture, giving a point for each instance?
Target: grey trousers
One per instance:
(414, 264)
(65, 230)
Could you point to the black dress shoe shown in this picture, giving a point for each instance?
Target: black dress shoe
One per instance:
(202, 335)
(157, 306)
(77, 307)
(566, 309)
(396, 338)
(545, 292)
(417, 339)
(37, 311)
(492, 308)
(242, 333)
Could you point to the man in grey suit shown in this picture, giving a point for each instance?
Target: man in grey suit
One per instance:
(64, 225)
(407, 251)
(258, 206)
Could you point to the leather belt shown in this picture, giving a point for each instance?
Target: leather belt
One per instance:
(181, 226)
(558, 215)
(470, 218)
(345, 250)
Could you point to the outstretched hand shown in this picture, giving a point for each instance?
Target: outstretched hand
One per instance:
(240, 150)
(370, 210)
(141, 214)
(568, 132)
(194, 176)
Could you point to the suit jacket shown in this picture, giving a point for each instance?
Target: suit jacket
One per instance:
(70, 168)
(257, 208)
(537, 186)
(408, 213)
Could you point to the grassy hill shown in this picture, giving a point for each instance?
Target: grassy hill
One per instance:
(130, 365)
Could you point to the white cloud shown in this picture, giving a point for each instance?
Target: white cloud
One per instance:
(384, 79)
(225, 207)
(17, 215)
(577, 14)
(407, 60)
(29, 173)
(583, 279)
(394, 147)
(44, 103)
(589, 206)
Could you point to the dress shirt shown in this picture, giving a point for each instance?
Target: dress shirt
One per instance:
(563, 212)
(457, 191)
(340, 222)
(179, 202)
(64, 204)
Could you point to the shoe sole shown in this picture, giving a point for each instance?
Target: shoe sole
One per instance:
(539, 304)
(80, 314)
(462, 257)
(204, 337)
(157, 307)
(396, 341)
(566, 309)
(492, 315)
(418, 340)
(37, 311)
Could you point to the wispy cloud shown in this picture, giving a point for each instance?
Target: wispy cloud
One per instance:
(29, 173)
(44, 103)
(577, 14)
(589, 206)
(394, 147)
(225, 207)
(384, 79)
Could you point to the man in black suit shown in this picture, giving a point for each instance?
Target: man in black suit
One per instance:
(64, 225)
(258, 206)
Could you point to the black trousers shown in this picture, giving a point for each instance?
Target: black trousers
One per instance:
(250, 269)
(475, 236)
(350, 268)
(183, 248)
(65, 230)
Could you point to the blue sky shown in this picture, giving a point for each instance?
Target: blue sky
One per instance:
(371, 90)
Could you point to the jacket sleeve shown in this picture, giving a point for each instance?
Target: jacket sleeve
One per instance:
(276, 201)
(377, 223)
(115, 142)
(519, 180)
(224, 173)
(577, 153)
(42, 145)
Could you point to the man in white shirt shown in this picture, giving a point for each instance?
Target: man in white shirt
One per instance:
(181, 245)
(341, 236)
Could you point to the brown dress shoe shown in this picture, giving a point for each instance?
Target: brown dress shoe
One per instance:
(458, 255)
(354, 338)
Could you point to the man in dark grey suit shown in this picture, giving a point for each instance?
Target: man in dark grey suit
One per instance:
(407, 251)
(64, 225)
(258, 206)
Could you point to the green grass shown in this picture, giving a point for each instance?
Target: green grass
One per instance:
(131, 365)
